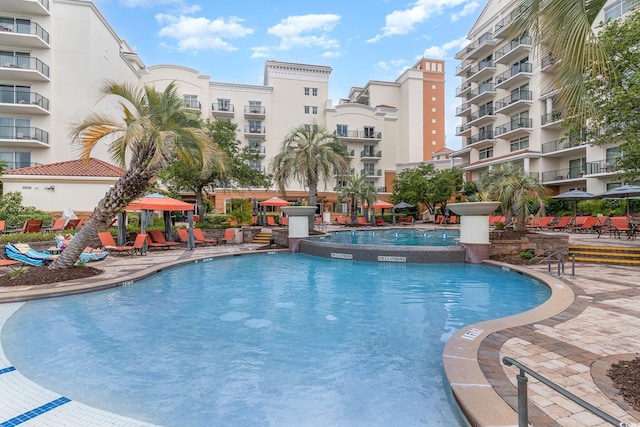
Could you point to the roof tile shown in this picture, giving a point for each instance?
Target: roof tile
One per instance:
(78, 167)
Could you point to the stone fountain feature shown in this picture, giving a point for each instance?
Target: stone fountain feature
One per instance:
(298, 224)
(474, 228)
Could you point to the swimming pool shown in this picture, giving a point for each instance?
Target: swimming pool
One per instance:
(281, 339)
(395, 237)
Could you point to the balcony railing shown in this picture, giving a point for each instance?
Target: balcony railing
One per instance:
(24, 133)
(32, 28)
(13, 96)
(356, 134)
(255, 129)
(471, 47)
(462, 128)
(192, 104)
(254, 109)
(257, 149)
(462, 108)
(463, 87)
(601, 166)
(482, 136)
(24, 62)
(560, 144)
(371, 172)
(381, 189)
(520, 95)
(513, 71)
(479, 67)
(554, 116)
(481, 89)
(514, 125)
(563, 174)
(547, 61)
(511, 46)
(222, 108)
(371, 154)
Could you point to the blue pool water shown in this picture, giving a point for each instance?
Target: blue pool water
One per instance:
(266, 340)
(394, 237)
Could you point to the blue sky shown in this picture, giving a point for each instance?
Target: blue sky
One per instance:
(360, 40)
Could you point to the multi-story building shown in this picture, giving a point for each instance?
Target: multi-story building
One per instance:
(54, 54)
(509, 110)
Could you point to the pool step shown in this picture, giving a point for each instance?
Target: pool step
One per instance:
(606, 255)
(263, 237)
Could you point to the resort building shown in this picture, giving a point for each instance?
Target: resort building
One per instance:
(509, 110)
(54, 54)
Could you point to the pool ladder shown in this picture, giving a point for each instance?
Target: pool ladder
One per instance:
(560, 257)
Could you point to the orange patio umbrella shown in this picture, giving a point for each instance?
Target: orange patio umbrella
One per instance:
(274, 202)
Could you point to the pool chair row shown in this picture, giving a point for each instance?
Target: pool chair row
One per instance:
(616, 226)
(35, 226)
(23, 254)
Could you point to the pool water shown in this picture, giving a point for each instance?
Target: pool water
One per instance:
(266, 340)
(394, 237)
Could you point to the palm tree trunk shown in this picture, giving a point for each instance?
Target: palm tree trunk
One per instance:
(313, 198)
(131, 185)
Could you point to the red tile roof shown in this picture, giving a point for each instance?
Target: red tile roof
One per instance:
(71, 168)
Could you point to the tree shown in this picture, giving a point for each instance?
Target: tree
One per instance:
(193, 177)
(566, 30)
(309, 155)
(153, 128)
(519, 192)
(426, 185)
(357, 190)
(615, 117)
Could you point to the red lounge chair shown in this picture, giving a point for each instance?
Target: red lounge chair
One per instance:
(199, 236)
(540, 223)
(284, 221)
(183, 235)
(230, 234)
(562, 223)
(58, 225)
(618, 225)
(362, 221)
(152, 244)
(585, 224)
(271, 222)
(72, 224)
(110, 245)
(158, 237)
(341, 220)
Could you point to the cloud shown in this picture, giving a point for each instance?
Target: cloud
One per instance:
(200, 33)
(402, 22)
(261, 52)
(446, 50)
(468, 9)
(306, 31)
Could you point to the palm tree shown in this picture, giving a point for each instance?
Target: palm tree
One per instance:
(565, 28)
(514, 189)
(153, 128)
(356, 189)
(310, 155)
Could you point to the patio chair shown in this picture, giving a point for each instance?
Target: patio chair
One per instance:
(618, 225)
(284, 221)
(562, 223)
(110, 245)
(2, 226)
(27, 255)
(152, 244)
(183, 235)
(199, 236)
(271, 222)
(89, 254)
(362, 221)
(230, 234)
(72, 224)
(57, 225)
(29, 226)
(158, 237)
(586, 224)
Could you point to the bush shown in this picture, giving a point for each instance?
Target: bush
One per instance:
(527, 255)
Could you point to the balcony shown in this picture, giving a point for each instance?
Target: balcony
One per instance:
(463, 130)
(351, 172)
(566, 174)
(463, 109)
(517, 100)
(191, 104)
(601, 167)
(547, 63)
(254, 111)
(26, 7)
(479, 47)
(514, 128)
(258, 150)
(371, 173)
(255, 131)
(501, 29)
(481, 71)
(14, 101)
(482, 93)
(222, 110)
(24, 35)
(560, 145)
(355, 135)
(463, 89)
(515, 76)
(23, 68)
(25, 136)
(258, 168)
(461, 70)
(481, 139)
(370, 155)
(513, 50)
(481, 117)
(551, 120)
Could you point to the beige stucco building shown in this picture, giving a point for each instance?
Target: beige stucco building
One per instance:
(509, 112)
(54, 54)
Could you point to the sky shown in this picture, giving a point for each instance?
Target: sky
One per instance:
(361, 40)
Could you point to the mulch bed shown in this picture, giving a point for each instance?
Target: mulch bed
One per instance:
(626, 377)
(34, 276)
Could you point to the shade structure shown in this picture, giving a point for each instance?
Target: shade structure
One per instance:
(274, 202)
(622, 192)
(401, 205)
(574, 195)
(381, 204)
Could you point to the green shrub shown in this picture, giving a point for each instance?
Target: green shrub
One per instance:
(527, 255)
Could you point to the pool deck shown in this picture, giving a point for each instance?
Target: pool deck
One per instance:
(591, 321)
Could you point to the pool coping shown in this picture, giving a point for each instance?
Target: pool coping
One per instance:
(469, 385)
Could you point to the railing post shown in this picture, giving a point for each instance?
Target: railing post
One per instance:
(559, 258)
(573, 265)
(523, 407)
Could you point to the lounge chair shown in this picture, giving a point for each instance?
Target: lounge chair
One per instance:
(57, 225)
(110, 245)
(618, 225)
(271, 222)
(585, 224)
(158, 237)
(26, 254)
(29, 226)
(198, 234)
(152, 244)
(72, 224)
(183, 235)
(230, 234)
(2, 226)
(86, 256)
(562, 223)
(284, 221)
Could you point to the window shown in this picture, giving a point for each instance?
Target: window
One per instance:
(485, 153)
(520, 143)
(486, 109)
(618, 8)
(369, 132)
(16, 159)
(612, 155)
(224, 104)
(313, 91)
(307, 109)
(314, 110)
(341, 130)
(369, 151)
(11, 128)
(369, 169)
(256, 107)
(10, 94)
(255, 126)
(310, 109)
(309, 127)
(433, 109)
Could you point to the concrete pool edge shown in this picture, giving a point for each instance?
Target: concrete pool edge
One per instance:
(469, 385)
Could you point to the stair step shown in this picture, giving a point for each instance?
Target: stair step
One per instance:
(604, 254)
(604, 248)
(608, 261)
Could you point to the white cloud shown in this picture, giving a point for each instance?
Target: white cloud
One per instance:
(261, 52)
(468, 9)
(306, 31)
(446, 50)
(200, 33)
(402, 22)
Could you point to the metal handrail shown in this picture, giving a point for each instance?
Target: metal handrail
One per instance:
(560, 255)
(523, 410)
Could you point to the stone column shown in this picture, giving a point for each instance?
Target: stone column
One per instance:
(474, 228)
